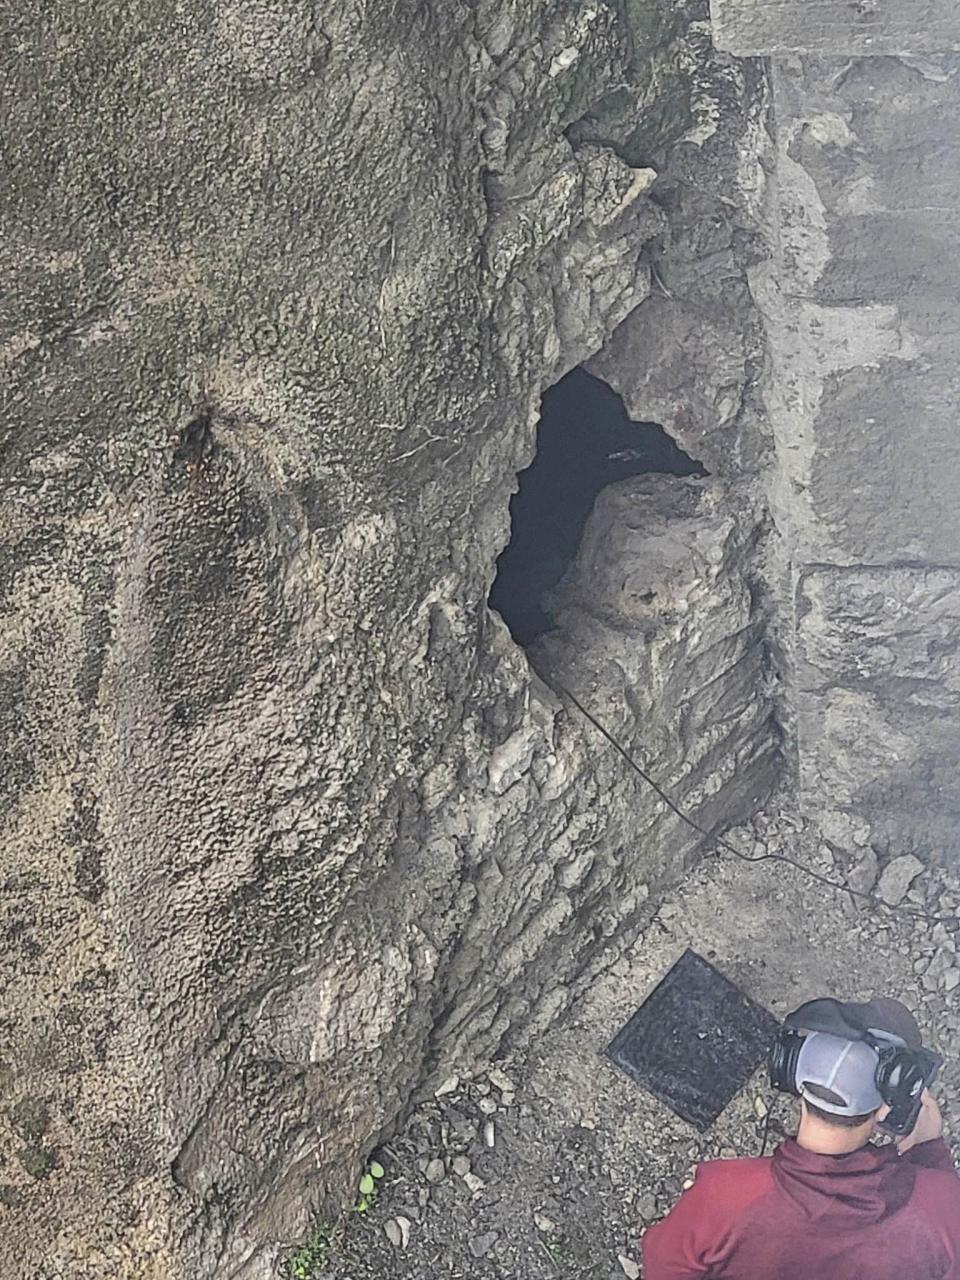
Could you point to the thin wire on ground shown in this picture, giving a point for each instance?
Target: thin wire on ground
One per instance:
(722, 843)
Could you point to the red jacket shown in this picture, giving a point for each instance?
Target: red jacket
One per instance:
(870, 1215)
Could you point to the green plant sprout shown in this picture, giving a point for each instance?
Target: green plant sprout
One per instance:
(554, 1251)
(313, 1254)
(367, 1189)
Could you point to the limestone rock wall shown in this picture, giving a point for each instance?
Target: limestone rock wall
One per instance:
(660, 626)
(288, 825)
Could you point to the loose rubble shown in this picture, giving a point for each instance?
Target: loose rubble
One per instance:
(582, 1160)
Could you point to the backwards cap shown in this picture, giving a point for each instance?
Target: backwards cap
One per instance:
(848, 1068)
(835, 1056)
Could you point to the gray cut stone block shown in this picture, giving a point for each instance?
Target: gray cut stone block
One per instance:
(887, 435)
(864, 320)
(893, 630)
(879, 678)
(756, 28)
(894, 764)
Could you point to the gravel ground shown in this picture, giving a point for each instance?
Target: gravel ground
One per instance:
(551, 1164)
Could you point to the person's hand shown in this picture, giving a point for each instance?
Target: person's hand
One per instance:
(929, 1125)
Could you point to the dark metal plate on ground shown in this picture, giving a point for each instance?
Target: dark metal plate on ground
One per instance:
(695, 1041)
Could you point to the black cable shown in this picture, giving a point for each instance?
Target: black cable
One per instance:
(737, 853)
(765, 1135)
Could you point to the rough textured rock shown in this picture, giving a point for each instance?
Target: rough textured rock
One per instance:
(287, 824)
(290, 830)
(897, 878)
(690, 356)
(659, 627)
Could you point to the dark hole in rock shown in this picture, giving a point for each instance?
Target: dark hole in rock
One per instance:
(585, 441)
(196, 443)
(695, 1041)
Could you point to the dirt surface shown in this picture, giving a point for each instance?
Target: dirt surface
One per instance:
(552, 1164)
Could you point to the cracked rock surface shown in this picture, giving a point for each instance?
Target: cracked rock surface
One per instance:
(291, 833)
(288, 826)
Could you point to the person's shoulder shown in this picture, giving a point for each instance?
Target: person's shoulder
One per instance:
(942, 1185)
(936, 1195)
(736, 1182)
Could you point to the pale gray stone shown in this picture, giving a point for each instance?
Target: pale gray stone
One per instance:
(897, 877)
(481, 1245)
(862, 876)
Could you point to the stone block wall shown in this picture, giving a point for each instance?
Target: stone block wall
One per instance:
(836, 28)
(863, 332)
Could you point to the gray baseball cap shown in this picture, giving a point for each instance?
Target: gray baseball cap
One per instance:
(846, 1068)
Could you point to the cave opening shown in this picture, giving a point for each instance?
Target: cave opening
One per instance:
(586, 441)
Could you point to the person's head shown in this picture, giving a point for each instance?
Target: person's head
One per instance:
(837, 1070)
(837, 1081)
(833, 1132)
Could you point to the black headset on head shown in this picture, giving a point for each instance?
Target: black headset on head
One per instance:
(902, 1073)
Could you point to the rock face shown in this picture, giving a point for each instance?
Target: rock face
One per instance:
(290, 829)
(860, 307)
(659, 626)
(288, 825)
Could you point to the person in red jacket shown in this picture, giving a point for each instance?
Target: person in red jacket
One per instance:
(828, 1205)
